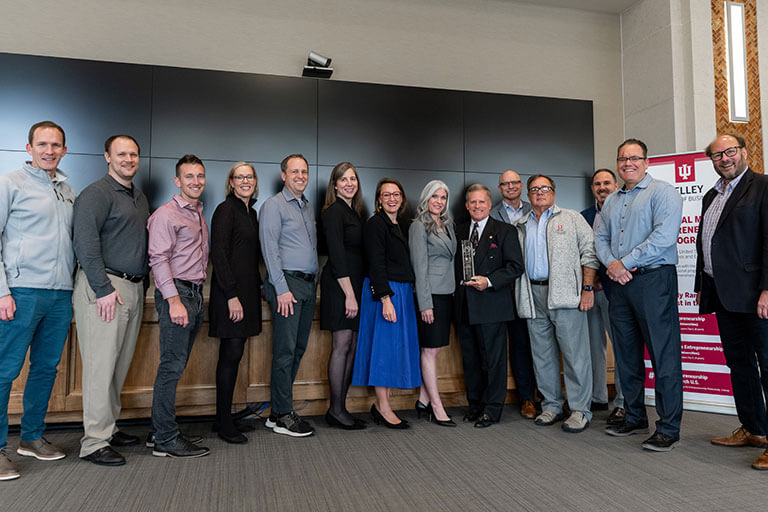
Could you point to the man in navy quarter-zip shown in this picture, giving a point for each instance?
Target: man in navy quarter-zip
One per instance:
(35, 286)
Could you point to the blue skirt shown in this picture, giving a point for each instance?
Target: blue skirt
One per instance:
(387, 353)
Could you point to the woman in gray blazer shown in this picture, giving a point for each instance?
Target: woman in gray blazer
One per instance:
(433, 245)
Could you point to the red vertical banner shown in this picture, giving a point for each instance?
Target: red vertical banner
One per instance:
(706, 378)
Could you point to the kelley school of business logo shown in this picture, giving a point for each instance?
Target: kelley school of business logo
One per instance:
(684, 170)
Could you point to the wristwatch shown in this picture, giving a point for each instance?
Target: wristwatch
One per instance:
(588, 288)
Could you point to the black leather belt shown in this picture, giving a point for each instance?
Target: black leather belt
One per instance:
(123, 275)
(299, 275)
(189, 284)
(542, 282)
(649, 268)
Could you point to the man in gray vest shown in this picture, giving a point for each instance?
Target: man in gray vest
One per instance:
(508, 210)
(110, 240)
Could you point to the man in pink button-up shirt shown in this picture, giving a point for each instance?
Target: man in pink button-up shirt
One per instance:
(178, 255)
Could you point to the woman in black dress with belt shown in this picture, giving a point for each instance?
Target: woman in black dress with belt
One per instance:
(340, 286)
(235, 303)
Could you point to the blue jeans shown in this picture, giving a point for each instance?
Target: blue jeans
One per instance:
(175, 346)
(41, 324)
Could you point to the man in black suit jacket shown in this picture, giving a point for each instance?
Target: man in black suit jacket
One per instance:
(484, 304)
(732, 282)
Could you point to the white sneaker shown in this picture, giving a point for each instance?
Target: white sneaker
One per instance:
(576, 422)
(547, 418)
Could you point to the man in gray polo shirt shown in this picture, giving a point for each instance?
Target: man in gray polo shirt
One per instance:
(289, 246)
(110, 241)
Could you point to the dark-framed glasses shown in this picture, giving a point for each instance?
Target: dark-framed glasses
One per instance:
(244, 177)
(633, 159)
(544, 189)
(730, 152)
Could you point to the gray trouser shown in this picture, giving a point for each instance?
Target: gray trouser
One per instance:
(289, 339)
(599, 322)
(106, 349)
(556, 331)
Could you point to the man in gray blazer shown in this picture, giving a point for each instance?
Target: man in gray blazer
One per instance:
(508, 210)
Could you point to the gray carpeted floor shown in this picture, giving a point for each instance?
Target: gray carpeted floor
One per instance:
(514, 465)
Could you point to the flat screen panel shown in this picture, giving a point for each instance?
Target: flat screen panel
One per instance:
(389, 126)
(90, 100)
(528, 134)
(223, 115)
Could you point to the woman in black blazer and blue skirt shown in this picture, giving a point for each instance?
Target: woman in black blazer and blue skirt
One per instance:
(387, 344)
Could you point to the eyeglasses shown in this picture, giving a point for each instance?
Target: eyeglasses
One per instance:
(509, 183)
(544, 189)
(393, 195)
(633, 159)
(730, 152)
(244, 177)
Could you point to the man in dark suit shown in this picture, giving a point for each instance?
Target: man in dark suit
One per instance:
(508, 210)
(484, 304)
(732, 282)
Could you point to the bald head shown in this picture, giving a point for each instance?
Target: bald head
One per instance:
(511, 187)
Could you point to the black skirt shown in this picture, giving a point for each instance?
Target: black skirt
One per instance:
(438, 333)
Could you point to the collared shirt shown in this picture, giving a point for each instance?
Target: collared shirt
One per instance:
(712, 217)
(110, 231)
(288, 237)
(640, 226)
(536, 256)
(480, 227)
(178, 244)
(512, 213)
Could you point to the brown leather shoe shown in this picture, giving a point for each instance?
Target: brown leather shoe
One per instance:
(761, 462)
(528, 409)
(740, 437)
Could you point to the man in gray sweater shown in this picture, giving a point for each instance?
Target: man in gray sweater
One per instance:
(35, 286)
(110, 240)
(554, 294)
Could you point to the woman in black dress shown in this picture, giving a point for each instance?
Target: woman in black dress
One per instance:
(235, 303)
(340, 286)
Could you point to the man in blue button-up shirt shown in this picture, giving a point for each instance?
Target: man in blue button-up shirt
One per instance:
(289, 245)
(637, 242)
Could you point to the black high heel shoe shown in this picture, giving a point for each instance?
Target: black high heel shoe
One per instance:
(334, 422)
(379, 420)
(433, 419)
(420, 408)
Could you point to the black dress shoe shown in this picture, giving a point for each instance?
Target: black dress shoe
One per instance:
(332, 421)
(232, 437)
(120, 438)
(150, 442)
(381, 420)
(484, 421)
(245, 426)
(106, 456)
(472, 415)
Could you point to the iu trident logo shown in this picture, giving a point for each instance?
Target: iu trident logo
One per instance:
(685, 173)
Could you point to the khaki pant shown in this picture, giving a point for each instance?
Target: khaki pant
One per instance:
(107, 351)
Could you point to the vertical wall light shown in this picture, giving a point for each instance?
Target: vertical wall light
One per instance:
(737, 62)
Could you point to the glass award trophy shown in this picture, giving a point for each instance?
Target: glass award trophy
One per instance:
(467, 260)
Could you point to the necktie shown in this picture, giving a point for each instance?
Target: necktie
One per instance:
(474, 239)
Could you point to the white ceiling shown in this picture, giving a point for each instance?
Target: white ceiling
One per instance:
(608, 6)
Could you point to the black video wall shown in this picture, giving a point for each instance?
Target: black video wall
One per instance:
(409, 133)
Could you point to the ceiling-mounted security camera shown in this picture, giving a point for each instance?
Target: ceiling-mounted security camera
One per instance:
(317, 66)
